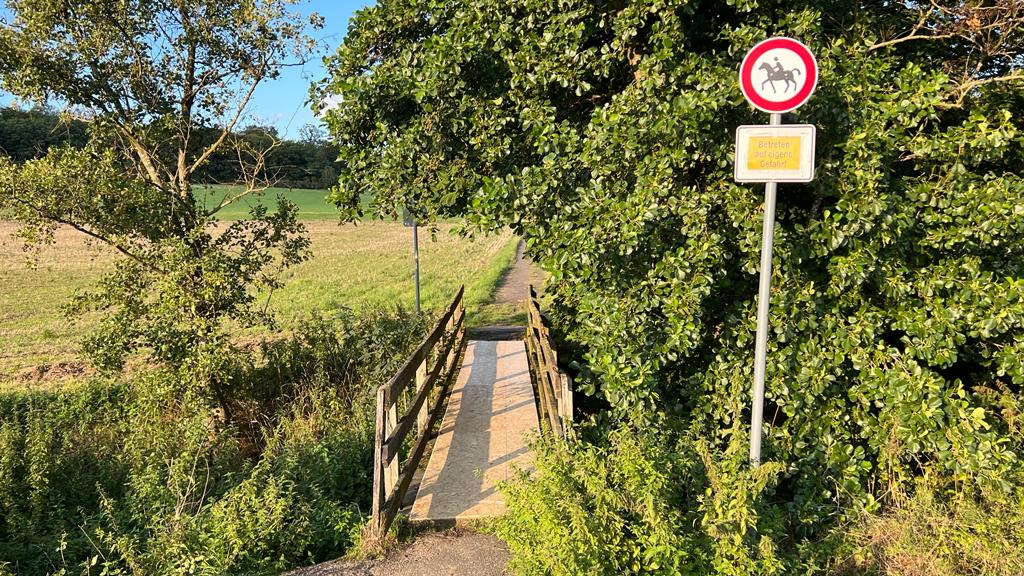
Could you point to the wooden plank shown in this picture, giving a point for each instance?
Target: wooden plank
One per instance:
(547, 399)
(543, 387)
(421, 383)
(389, 459)
(567, 416)
(378, 469)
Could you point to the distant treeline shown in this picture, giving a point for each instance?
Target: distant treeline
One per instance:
(305, 163)
(27, 134)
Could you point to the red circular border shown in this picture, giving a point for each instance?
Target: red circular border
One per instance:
(747, 75)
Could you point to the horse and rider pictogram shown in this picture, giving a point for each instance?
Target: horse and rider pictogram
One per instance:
(777, 73)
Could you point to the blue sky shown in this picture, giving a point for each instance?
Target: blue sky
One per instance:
(282, 102)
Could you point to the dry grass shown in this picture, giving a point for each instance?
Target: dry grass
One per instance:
(369, 264)
(924, 536)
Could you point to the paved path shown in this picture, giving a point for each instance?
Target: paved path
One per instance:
(483, 435)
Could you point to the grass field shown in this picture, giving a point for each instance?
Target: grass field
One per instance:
(355, 266)
(312, 204)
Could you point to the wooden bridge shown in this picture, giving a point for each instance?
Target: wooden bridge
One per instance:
(488, 390)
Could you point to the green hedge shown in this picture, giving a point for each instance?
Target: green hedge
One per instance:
(603, 134)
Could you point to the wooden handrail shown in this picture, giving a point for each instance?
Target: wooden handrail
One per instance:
(553, 384)
(391, 478)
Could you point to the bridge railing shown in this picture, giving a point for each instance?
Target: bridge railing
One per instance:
(553, 385)
(421, 374)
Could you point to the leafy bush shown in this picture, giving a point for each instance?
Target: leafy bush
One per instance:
(632, 502)
(603, 133)
(58, 454)
(143, 478)
(629, 502)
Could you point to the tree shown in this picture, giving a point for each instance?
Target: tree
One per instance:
(155, 76)
(313, 134)
(603, 132)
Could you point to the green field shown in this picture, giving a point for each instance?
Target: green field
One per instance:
(312, 203)
(354, 266)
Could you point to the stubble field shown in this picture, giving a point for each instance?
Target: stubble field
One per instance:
(355, 266)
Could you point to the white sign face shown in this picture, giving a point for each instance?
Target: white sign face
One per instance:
(782, 153)
(778, 75)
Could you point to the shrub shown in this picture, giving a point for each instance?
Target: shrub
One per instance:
(631, 502)
(58, 453)
(143, 478)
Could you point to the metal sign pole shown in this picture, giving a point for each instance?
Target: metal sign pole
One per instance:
(416, 261)
(763, 298)
(772, 155)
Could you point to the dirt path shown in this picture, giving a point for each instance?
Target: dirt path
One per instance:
(505, 317)
(436, 554)
(515, 286)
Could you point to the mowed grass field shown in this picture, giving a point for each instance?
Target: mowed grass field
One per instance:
(355, 266)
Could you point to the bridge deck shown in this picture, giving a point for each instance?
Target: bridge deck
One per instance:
(482, 437)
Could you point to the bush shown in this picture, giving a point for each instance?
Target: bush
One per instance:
(143, 478)
(603, 133)
(633, 502)
(630, 501)
(58, 454)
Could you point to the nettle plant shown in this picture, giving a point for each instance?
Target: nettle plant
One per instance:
(153, 78)
(603, 133)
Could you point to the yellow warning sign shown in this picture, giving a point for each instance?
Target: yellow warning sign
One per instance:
(774, 153)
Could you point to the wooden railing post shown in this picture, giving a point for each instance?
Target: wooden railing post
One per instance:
(421, 381)
(390, 464)
(379, 494)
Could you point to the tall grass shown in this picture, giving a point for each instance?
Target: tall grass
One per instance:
(937, 532)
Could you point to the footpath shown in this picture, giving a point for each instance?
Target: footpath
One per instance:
(458, 551)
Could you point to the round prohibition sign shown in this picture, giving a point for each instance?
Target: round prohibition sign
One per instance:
(778, 75)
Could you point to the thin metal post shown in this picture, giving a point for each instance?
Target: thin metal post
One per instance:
(416, 261)
(763, 301)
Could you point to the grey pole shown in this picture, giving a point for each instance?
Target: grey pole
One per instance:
(763, 298)
(416, 261)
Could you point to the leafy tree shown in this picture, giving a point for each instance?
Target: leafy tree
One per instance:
(603, 133)
(155, 76)
(313, 134)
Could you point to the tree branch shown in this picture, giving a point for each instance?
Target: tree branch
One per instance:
(250, 175)
(965, 88)
(230, 126)
(45, 214)
(911, 37)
